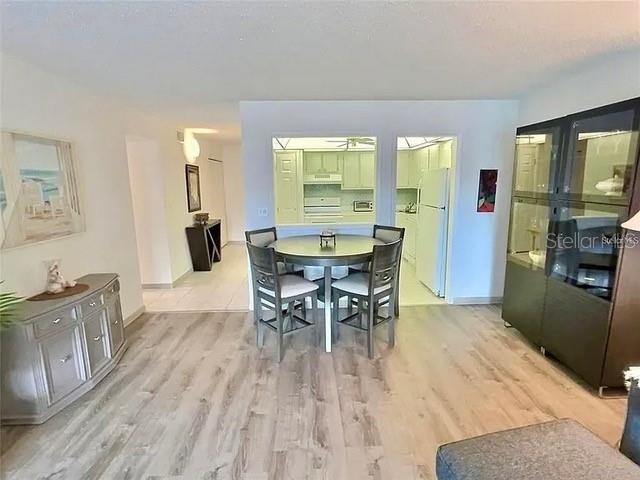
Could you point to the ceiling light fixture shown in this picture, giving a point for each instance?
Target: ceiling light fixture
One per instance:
(190, 146)
(201, 131)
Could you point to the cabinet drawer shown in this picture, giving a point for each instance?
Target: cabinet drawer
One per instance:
(91, 304)
(97, 337)
(55, 321)
(61, 358)
(111, 291)
(116, 327)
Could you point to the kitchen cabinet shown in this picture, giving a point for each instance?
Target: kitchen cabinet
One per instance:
(402, 168)
(358, 171)
(358, 217)
(351, 171)
(408, 222)
(322, 162)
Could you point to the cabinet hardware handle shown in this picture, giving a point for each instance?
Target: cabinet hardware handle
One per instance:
(92, 304)
(56, 321)
(98, 338)
(66, 358)
(116, 322)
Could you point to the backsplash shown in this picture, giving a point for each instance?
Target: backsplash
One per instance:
(403, 195)
(334, 190)
(406, 195)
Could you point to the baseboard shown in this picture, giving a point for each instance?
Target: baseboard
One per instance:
(153, 286)
(475, 300)
(134, 316)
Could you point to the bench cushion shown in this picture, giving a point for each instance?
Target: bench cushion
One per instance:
(562, 450)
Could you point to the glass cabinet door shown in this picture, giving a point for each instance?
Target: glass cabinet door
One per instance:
(583, 245)
(601, 156)
(536, 152)
(528, 232)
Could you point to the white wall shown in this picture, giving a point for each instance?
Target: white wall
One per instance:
(147, 194)
(485, 132)
(234, 191)
(39, 103)
(162, 208)
(599, 82)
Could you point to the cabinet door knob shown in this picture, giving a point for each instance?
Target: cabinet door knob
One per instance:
(66, 358)
(92, 304)
(98, 338)
(56, 321)
(116, 322)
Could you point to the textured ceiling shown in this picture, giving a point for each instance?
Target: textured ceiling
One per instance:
(196, 60)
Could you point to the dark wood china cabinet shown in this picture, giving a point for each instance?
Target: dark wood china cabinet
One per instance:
(572, 281)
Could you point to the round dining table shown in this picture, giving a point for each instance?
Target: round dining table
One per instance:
(306, 250)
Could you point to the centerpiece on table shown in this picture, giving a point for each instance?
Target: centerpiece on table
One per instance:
(327, 239)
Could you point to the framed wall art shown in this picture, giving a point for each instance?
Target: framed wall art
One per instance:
(487, 190)
(194, 202)
(39, 194)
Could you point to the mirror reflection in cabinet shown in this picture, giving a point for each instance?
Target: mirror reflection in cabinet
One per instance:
(535, 160)
(528, 232)
(601, 157)
(584, 245)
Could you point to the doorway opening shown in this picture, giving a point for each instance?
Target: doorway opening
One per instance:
(423, 178)
(324, 180)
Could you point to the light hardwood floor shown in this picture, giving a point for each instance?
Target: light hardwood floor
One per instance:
(194, 399)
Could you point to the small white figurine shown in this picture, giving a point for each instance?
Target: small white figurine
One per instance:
(55, 281)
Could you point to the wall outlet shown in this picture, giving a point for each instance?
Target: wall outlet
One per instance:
(262, 212)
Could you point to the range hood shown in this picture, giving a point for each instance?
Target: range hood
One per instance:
(323, 178)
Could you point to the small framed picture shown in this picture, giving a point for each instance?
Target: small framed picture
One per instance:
(487, 190)
(193, 187)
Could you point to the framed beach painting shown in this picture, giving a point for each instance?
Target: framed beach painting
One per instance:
(39, 197)
(487, 190)
(193, 188)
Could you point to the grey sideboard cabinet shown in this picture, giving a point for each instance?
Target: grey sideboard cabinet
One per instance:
(60, 350)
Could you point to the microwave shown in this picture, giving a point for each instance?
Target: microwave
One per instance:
(363, 206)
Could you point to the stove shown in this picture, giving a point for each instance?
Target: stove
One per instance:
(322, 210)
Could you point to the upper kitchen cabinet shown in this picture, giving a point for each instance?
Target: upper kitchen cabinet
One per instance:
(322, 163)
(358, 171)
(536, 156)
(402, 176)
(601, 155)
(408, 172)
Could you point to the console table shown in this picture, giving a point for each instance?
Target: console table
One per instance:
(204, 244)
(61, 350)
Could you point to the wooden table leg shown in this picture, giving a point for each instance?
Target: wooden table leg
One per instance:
(327, 308)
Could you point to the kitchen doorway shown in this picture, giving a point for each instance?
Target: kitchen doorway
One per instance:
(423, 176)
(325, 181)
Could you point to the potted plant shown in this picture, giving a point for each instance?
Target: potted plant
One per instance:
(9, 306)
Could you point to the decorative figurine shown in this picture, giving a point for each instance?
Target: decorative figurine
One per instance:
(55, 281)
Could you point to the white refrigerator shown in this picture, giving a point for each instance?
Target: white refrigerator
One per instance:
(431, 234)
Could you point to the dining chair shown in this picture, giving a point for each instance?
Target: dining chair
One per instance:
(370, 289)
(264, 237)
(276, 291)
(386, 234)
